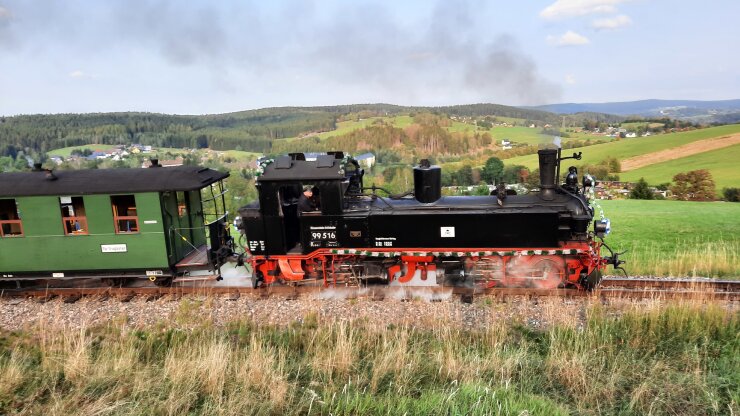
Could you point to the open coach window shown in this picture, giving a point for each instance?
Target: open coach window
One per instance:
(124, 214)
(10, 220)
(73, 215)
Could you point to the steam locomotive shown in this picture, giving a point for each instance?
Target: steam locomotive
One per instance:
(361, 235)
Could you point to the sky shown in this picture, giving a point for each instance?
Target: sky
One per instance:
(205, 57)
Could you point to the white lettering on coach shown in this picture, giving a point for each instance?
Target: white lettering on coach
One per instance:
(113, 248)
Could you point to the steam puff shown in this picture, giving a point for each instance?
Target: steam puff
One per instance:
(360, 49)
(504, 72)
(6, 36)
(5, 14)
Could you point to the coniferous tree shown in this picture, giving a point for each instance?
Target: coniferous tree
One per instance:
(641, 190)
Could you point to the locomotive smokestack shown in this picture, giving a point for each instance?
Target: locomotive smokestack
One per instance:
(548, 163)
(427, 182)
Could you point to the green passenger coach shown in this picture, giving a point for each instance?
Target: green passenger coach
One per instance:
(114, 224)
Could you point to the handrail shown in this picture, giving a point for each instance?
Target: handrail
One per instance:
(215, 196)
(223, 216)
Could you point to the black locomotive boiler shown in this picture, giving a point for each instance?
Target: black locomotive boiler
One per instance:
(543, 239)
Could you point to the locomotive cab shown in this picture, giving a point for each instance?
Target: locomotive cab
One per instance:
(275, 225)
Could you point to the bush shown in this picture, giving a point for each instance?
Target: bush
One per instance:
(731, 194)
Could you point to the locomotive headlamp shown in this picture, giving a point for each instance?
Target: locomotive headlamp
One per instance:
(602, 228)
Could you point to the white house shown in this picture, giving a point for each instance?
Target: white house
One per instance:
(366, 160)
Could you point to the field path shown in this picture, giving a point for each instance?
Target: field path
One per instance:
(679, 152)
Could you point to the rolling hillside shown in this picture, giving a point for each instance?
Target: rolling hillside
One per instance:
(626, 148)
(252, 130)
(722, 163)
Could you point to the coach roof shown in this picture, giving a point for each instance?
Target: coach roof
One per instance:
(107, 181)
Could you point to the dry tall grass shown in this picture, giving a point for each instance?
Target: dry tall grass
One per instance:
(653, 359)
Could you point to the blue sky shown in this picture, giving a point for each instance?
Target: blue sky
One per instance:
(200, 57)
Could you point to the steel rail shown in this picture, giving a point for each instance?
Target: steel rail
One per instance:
(611, 288)
(667, 283)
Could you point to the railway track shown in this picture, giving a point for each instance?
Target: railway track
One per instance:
(610, 288)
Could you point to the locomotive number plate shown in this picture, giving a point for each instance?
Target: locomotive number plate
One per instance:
(323, 236)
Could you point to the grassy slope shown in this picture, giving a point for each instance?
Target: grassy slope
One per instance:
(653, 359)
(66, 151)
(723, 163)
(517, 134)
(345, 127)
(625, 148)
(676, 238)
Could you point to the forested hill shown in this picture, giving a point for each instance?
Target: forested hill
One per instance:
(252, 130)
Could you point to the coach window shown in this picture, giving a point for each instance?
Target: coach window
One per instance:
(124, 214)
(73, 215)
(10, 220)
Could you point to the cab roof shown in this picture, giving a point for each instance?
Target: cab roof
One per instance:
(296, 167)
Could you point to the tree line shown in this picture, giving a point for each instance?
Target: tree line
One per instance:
(253, 130)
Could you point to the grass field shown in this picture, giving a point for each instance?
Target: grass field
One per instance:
(520, 135)
(650, 359)
(67, 151)
(634, 126)
(676, 238)
(402, 121)
(625, 148)
(459, 127)
(724, 164)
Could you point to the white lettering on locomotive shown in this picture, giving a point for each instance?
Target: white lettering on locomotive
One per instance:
(256, 244)
(384, 241)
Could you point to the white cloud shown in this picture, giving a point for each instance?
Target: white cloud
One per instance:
(570, 79)
(562, 9)
(612, 22)
(569, 38)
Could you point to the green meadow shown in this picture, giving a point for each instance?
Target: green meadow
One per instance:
(626, 148)
(67, 151)
(724, 164)
(676, 238)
